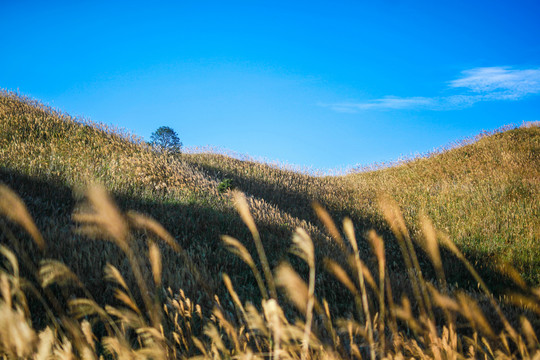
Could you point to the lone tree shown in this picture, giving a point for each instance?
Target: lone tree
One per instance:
(165, 138)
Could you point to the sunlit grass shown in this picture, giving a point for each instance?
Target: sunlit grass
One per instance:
(437, 257)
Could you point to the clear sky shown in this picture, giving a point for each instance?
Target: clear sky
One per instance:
(326, 84)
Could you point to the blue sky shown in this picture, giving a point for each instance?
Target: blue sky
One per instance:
(327, 84)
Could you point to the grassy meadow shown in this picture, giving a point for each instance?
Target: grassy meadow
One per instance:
(112, 249)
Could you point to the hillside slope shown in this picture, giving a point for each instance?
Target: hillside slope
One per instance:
(49, 159)
(483, 195)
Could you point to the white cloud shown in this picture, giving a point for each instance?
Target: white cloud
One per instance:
(481, 84)
(389, 102)
(500, 81)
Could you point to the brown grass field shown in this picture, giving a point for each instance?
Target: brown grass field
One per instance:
(111, 249)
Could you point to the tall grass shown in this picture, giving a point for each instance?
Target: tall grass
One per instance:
(387, 283)
(167, 324)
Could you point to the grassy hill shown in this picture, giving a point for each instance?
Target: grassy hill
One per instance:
(163, 223)
(484, 195)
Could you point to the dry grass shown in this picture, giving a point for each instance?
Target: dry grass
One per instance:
(484, 195)
(324, 294)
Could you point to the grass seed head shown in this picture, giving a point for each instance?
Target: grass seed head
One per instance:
(14, 209)
(17, 337)
(328, 223)
(295, 288)
(100, 216)
(155, 262)
(303, 246)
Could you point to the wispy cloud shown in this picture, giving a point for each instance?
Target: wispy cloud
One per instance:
(389, 102)
(479, 84)
(500, 83)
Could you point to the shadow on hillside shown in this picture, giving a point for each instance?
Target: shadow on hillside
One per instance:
(293, 202)
(300, 206)
(51, 205)
(198, 229)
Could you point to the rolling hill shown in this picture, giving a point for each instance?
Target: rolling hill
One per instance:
(482, 193)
